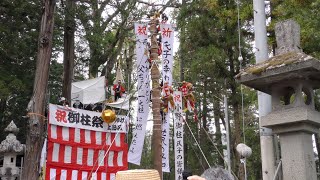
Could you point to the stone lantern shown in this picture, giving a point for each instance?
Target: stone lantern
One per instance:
(290, 78)
(10, 148)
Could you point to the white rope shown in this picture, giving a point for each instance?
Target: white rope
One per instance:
(197, 142)
(100, 163)
(217, 149)
(240, 58)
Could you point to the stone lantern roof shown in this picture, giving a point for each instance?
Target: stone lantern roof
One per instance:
(291, 65)
(11, 144)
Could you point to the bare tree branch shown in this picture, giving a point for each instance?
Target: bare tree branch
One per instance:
(110, 18)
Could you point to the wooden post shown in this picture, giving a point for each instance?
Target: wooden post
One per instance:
(36, 106)
(155, 76)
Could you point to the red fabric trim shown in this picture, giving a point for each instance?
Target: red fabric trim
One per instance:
(82, 136)
(84, 157)
(58, 174)
(93, 137)
(71, 134)
(85, 168)
(69, 175)
(58, 166)
(79, 174)
(74, 155)
(59, 133)
(61, 153)
(90, 146)
(115, 159)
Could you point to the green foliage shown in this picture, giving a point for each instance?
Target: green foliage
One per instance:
(306, 13)
(55, 82)
(209, 51)
(105, 31)
(19, 25)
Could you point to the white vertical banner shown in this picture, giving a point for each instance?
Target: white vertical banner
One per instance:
(135, 150)
(178, 135)
(167, 34)
(165, 142)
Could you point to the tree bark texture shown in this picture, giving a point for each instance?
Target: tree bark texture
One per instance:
(203, 137)
(157, 124)
(36, 106)
(216, 110)
(68, 59)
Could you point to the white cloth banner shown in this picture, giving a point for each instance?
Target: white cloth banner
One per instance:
(167, 52)
(89, 91)
(136, 146)
(167, 34)
(83, 119)
(165, 142)
(178, 135)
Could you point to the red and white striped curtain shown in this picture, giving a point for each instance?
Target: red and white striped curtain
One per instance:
(76, 154)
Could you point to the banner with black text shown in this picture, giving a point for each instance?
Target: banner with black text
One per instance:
(143, 78)
(83, 119)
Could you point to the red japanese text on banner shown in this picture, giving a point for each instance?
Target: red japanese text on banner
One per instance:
(75, 151)
(83, 119)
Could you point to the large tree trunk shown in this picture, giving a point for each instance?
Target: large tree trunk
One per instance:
(236, 113)
(203, 138)
(157, 124)
(68, 59)
(216, 110)
(36, 106)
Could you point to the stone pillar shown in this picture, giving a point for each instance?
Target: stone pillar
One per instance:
(298, 155)
(287, 37)
(294, 119)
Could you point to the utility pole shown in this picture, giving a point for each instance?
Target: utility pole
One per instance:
(264, 100)
(155, 76)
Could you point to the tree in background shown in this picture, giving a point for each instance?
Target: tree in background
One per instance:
(211, 52)
(105, 26)
(19, 30)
